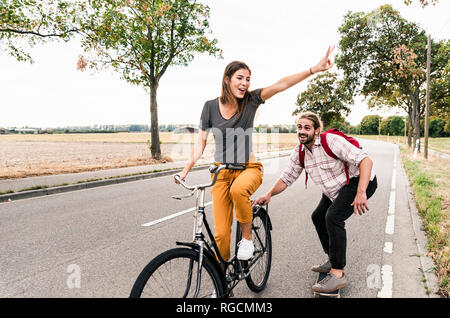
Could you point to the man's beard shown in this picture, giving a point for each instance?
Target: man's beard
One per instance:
(307, 140)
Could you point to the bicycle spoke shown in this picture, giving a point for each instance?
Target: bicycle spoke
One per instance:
(156, 283)
(260, 265)
(178, 278)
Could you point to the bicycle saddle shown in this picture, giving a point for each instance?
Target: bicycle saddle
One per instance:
(232, 166)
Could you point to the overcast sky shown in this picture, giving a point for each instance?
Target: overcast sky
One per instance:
(275, 38)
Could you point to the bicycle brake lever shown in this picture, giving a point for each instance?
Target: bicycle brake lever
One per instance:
(179, 197)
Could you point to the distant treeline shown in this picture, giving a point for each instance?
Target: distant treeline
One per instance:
(395, 126)
(370, 125)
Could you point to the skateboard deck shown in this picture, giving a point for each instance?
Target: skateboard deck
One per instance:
(333, 294)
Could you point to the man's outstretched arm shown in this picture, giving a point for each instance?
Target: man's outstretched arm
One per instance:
(278, 187)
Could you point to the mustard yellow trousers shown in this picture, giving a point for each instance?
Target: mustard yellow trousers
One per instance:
(233, 189)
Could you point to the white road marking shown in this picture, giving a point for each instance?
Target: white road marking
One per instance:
(386, 274)
(388, 247)
(391, 210)
(390, 224)
(172, 216)
(386, 271)
(394, 177)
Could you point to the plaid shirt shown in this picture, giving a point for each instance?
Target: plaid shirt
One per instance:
(326, 172)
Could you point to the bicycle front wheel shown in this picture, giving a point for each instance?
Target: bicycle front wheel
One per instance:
(262, 241)
(174, 273)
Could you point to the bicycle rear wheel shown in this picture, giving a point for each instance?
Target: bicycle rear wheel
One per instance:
(262, 240)
(173, 274)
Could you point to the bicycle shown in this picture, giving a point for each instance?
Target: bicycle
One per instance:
(193, 270)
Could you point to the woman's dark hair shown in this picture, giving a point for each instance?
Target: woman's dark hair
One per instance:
(226, 95)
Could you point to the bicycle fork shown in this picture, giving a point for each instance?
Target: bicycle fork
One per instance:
(198, 239)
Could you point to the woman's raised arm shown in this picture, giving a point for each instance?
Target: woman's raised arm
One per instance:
(291, 80)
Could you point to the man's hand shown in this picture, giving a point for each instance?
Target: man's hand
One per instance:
(265, 199)
(325, 62)
(360, 203)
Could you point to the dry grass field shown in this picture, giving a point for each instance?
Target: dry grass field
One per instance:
(33, 155)
(166, 138)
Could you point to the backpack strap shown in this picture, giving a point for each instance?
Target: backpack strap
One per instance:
(301, 157)
(323, 141)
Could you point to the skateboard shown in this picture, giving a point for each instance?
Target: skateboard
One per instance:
(333, 294)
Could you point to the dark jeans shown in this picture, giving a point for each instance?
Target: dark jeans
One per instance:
(329, 219)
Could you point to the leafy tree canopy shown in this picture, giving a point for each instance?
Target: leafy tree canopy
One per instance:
(370, 124)
(424, 3)
(383, 57)
(141, 39)
(29, 22)
(326, 96)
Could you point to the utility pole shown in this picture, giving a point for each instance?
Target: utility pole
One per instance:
(427, 109)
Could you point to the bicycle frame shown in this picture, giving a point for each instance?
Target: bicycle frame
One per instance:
(199, 243)
(205, 250)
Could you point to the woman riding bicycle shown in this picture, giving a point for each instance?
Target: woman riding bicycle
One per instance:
(230, 117)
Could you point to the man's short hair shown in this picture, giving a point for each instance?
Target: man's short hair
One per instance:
(317, 122)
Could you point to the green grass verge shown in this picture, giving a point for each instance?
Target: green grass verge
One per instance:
(430, 182)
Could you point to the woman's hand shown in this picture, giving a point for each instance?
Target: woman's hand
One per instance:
(182, 176)
(291, 80)
(325, 62)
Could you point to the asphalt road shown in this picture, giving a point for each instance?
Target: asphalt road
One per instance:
(91, 243)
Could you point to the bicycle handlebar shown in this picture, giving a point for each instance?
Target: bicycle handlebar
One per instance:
(213, 169)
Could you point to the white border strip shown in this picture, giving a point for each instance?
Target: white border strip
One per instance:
(386, 274)
(172, 216)
(386, 271)
(388, 247)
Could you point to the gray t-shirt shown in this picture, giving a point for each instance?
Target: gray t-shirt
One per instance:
(233, 137)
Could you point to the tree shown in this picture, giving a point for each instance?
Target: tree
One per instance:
(340, 124)
(436, 127)
(325, 95)
(140, 39)
(384, 59)
(393, 125)
(370, 124)
(396, 125)
(447, 126)
(33, 22)
(424, 3)
(440, 86)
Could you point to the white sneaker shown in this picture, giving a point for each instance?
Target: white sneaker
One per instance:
(246, 249)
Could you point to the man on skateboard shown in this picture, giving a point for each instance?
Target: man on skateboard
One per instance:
(326, 294)
(344, 174)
